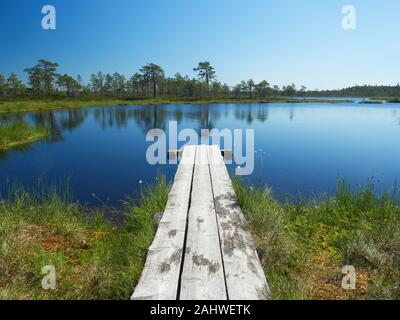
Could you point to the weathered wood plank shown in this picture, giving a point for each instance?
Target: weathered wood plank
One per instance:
(203, 275)
(245, 278)
(161, 273)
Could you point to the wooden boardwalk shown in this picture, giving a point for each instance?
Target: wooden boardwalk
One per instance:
(201, 250)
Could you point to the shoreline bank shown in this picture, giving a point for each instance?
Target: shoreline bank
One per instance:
(24, 106)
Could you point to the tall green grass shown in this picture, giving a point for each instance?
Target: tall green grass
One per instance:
(32, 105)
(303, 247)
(93, 259)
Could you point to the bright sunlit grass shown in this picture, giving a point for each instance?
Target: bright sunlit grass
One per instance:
(19, 133)
(303, 247)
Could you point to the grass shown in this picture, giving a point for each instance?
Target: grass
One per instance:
(303, 247)
(32, 105)
(19, 133)
(93, 259)
(387, 99)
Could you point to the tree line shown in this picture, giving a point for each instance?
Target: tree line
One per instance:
(150, 81)
(367, 91)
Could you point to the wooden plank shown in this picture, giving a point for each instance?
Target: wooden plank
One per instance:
(203, 275)
(245, 278)
(161, 273)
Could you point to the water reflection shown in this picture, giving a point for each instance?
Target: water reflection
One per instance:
(150, 117)
(146, 117)
(300, 148)
(153, 116)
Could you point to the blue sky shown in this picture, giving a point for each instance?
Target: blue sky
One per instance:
(282, 41)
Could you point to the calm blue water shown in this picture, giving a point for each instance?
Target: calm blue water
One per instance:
(302, 148)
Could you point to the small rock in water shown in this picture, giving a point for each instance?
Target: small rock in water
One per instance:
(157, 218)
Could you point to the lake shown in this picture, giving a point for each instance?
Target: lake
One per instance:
(301, 149)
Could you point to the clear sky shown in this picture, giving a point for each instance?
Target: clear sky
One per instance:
(282, 41)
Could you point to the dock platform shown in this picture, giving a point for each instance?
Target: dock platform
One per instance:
(201, 250)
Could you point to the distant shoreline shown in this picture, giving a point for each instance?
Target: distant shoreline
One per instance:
(37, 105)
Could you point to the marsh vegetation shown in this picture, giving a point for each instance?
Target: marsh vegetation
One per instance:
(302, 246)
(14, 134)
(47, 89)
(93, 258)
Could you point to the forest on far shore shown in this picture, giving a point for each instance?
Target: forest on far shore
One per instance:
(150, 81)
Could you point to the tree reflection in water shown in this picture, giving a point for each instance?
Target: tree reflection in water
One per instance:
(148, 117)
